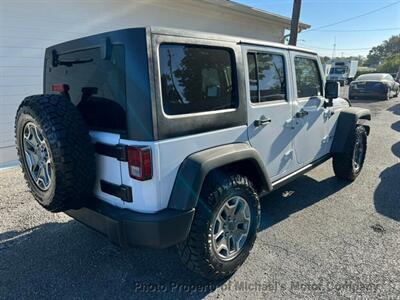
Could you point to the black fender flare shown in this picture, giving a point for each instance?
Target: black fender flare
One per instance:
(347, 121)
(194, 169)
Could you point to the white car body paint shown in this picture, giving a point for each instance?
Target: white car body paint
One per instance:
(273, 141)
(167, 155)
(107, 168)
(295, 151)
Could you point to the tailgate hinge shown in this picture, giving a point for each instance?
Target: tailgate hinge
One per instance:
(117, 151)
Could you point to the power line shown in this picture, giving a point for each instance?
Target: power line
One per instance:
(354, 30)
(355, 17)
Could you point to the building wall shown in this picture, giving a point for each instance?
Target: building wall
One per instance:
(27, 27)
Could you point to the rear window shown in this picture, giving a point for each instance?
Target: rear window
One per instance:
(339, 71)
(197, 78)
(96, 84)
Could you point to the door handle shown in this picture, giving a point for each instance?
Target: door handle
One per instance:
(262, 121)
(301, 114)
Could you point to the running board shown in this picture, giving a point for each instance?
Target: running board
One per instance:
(283, 181)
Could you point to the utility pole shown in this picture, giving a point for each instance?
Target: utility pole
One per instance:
(294, 28)
(334, 49)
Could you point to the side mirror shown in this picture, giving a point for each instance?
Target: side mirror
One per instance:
(332, 91)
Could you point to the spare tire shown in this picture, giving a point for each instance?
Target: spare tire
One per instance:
(55, 151)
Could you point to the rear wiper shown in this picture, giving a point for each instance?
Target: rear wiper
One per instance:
(67, 63)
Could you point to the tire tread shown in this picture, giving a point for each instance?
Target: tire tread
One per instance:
(71, 148)
(193, 251)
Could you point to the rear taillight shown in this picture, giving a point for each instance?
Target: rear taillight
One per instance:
(60, 88)
(139, 162)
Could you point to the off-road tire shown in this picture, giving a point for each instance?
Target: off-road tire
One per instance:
(343, 162)
(196, 252)
(71, 151)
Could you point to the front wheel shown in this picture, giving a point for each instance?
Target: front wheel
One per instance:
(224, 227)
(348, 165)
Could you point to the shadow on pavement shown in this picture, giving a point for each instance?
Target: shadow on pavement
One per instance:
(69, 260)
(387, 194)
(295, 196)
(396, 126)
(395, 109)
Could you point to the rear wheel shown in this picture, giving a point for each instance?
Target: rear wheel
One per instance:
(387, 95)
(348, 165)
(55, 152)
(224, 227)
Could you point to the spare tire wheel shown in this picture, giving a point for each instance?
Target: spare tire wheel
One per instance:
(55, 152)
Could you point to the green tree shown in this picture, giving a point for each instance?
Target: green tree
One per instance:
(377, 55)
(325, 59)
(390, 64)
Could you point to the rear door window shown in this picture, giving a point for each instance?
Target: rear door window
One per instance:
(197, 78)
(253, 77)
(267, 77)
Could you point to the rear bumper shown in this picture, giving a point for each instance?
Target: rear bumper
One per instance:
(368, 94)
(127, 228)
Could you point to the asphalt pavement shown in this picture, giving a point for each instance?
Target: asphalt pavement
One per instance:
(319, 238)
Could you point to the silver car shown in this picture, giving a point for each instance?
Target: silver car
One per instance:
(374, 85)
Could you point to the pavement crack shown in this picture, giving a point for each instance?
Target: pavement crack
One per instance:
(378, 228)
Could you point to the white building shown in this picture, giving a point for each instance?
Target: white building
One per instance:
(28, 27)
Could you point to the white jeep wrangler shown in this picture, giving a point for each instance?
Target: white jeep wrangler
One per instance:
(161, 137)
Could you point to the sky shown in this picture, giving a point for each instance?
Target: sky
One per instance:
(325, 12)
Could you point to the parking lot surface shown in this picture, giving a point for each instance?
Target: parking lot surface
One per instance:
(319, 237)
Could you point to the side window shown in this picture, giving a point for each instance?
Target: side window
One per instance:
(267, 77)
(308, 78)
(197, 78)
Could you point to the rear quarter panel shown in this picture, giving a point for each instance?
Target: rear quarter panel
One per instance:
(153, 195)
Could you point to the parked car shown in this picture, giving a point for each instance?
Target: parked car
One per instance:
(160, 137)
(374, 85)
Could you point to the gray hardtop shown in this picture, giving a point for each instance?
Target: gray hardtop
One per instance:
(195, 34)
(222, 37)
